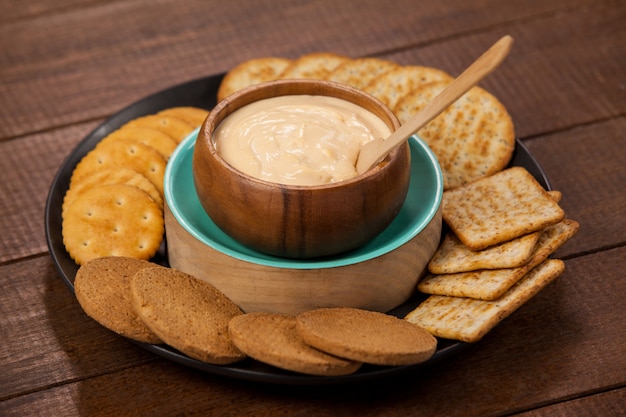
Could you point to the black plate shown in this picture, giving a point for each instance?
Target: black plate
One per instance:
(202, 93)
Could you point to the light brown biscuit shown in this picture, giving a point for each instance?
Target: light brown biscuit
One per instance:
(453, 256)
(134, 155)
(391, 86)
(472, 139)
(102, 288)
(468, 320)
(273, 339)
(195, 116)
(365, 336)
(112, 220)
(490, 284)
(159, 141)
(359, 72)
(315, 65)
(176, 128)
(251, 72)
(186, 313)
(499, 208)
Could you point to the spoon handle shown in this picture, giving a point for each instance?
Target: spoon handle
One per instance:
(376, 150)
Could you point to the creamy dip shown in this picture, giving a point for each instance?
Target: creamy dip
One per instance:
(298, 140)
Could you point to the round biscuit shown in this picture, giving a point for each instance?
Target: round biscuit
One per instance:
(159, 141)
(186, 313)
(314, 65)
(112, 220)
(102, 288)
(365, 336)
(110, 175)
(176, 128)
(130, 154)
(359, 72)
(195, 116)
(472, 139)
(273, 339)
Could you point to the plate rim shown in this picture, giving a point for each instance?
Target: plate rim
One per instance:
(201, 92)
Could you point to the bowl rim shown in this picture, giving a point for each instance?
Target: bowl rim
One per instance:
(185, 149)
(280, 88)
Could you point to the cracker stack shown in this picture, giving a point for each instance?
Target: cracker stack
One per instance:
(496, 256)
(114, 205)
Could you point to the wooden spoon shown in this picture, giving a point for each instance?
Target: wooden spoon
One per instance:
(373, 152)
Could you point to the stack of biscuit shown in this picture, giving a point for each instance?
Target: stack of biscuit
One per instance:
(154, 304)
(114, 204)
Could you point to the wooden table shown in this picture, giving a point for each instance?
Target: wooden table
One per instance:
(65, 66)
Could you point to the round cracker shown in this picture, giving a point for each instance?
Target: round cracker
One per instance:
(315, 65)
(186, 313)
(472, 139)
(273, 339)
(159, 141)
(251, 72)
(102, 288)
(360, 72)
(391, 86)
(110, 175)
(365, 336)
(112, 220)
(176, 128)
(195, 116)
(142, 158)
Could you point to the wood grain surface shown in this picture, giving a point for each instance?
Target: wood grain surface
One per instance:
(65, 66)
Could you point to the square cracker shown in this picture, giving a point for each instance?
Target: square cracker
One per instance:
(469, 320)
(499, 208)
(491, 284)
(453, 256)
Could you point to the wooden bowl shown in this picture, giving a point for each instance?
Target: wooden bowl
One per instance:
(380, 275)
(299, 221)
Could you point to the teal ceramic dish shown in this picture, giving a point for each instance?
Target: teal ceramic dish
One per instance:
(420, 207)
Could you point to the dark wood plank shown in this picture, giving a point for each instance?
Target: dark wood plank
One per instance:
(560, 344)
(564, 70)
(68, 67)
(587, 165)
(27, 168)
(606, 404)
(39, 347)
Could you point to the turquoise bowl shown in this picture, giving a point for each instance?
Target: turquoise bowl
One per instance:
(197, 246)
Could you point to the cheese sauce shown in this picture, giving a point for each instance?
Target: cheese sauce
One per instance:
(298, 140)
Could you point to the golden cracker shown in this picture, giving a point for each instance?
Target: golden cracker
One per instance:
(159, 141)
(453, 256)
(391, 86)
(112, 220)
(491, 284)
(195, 116)
(359, 72)
(172, 126)
(469, 320)
(499, 208)
(102, 288)
(472, 139)
(273, 339)
(314, 65)
(110, 175)
(134, 155)
(365, 336)
(186, 313)
(251, 72)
